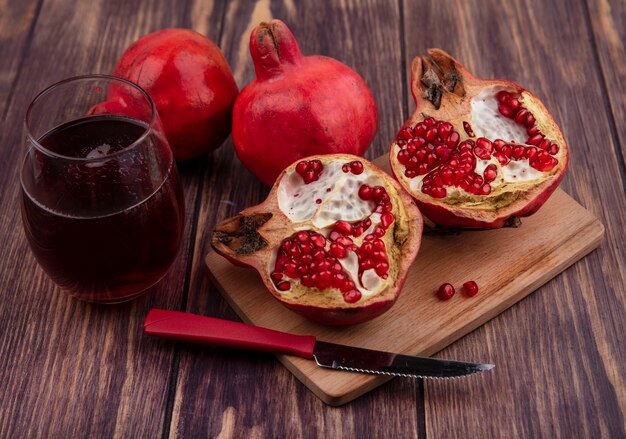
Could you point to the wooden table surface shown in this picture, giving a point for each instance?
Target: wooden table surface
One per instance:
(69, 369)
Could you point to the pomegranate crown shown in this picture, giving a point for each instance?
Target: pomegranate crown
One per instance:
(273, 47)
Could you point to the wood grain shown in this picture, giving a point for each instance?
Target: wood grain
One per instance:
(204, 401)
(608, 28)
(70, 369)
(545, 47)
(73, 370)
(17, 20)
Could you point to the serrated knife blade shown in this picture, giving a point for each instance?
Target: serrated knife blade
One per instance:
(194, 328)
(353, 359)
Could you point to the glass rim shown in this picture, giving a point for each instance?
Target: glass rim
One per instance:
(35, 142)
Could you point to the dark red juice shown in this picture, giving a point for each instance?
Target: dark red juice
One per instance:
(109, 229)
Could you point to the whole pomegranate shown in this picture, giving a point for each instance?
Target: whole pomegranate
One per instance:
(298, 106)
(476, 153)
(190, 83)
(333, 241)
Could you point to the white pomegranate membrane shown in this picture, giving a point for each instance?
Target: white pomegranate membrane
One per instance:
(439, 164)
(344, 212)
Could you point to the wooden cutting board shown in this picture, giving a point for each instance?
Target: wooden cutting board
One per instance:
(508, 264)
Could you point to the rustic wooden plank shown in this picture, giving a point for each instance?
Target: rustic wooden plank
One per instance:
(608, 24)
(251, 395)
(17, 19)
(560, 351)
(70, 369)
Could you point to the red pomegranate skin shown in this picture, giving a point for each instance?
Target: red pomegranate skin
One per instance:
(190, 83)
(298, 106)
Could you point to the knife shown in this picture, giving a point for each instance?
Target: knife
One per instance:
(194, 328)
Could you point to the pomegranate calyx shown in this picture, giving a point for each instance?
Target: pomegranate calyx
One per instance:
(273, 46)
(438, 75)
(240, 233)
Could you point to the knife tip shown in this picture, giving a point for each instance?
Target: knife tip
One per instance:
(485, 367)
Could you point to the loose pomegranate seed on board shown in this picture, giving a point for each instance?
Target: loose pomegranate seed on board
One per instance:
(445, 291)
(470, 288)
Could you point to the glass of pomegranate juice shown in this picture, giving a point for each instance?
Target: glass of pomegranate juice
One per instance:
(102, 204)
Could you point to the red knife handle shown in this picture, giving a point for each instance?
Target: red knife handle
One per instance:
(194, 328)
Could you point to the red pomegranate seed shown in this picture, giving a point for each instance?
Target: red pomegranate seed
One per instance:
(530, 152)
(301, 167)
(430, 122)
(406, 133)
(378, 192)
(356, 167)
(554, 149)
(468, 129)
(290, 269)
(532, 131)
(316, 166)
(347, 286)
(309, 176)
(438, 192)
(445, 291)
(403, 156)
(420, 129)
(535, 140)
(381, 268)
(343, 227)
(470, 288)
(482, 153)
(485, 144)
(365, 192)
(337, 250)
(501, 157)
(505, 110)
(318, 240)
(445, 129)
(352, 296)
(513, 102)
(337, 279)
(319, 254)
(520, 116)
(283, 285)
(503, 96)
(453, 140)
(518, 152)
(545, 144)
(490, 173)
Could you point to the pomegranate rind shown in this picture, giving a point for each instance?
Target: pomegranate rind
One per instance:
(298, 106)
(326, 306)
(497, 209)
(191, 84)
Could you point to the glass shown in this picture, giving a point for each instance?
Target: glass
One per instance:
(102, 205)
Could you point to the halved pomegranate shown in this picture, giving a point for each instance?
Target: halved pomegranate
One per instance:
(476, 153)
(333, 240)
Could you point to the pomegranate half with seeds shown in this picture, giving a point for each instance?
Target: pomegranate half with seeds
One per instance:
(476, 153)
(333, 241)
